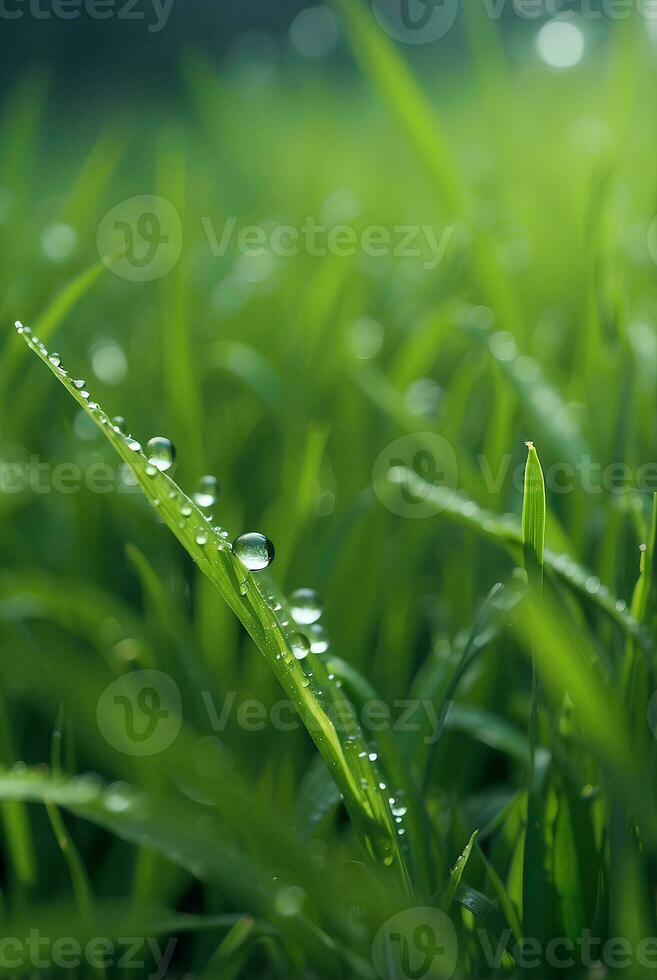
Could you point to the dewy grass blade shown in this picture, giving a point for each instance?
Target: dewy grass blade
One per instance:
(255, 604)
(506, 533)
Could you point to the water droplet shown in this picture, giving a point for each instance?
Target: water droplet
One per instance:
(161, 453)
(306, 606)
(254, 550)
(372, 756)
(300, 645)
(208, 491)
(318, 638)
(55, 359)
(120, 424)
(185, 510)
(118, 797)
(289, 901)
(201, 538)
(134, 445)
(109, 362)
(79, 383)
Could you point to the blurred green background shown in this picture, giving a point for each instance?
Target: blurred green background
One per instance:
(528, 150)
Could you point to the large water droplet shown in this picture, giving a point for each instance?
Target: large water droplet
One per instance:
(207, 492)
(161, 453)
(300, 645)
(254, 550)
(306, 606)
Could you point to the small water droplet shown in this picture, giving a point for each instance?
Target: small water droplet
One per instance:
(55, 360)
(161, 453)
(254, 550)
(207, 492)
(305, 606)
(201, 538)
(120, 424)
(134, 446)
(289, 901)
(300, 645)
(318, 638)
(185, 510)
(79, 383)
(118, 797)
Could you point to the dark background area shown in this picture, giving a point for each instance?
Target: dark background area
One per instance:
(89, 55)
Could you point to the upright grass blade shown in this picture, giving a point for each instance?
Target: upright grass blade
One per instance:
(252, 599)
(534, 512)
(535, 883)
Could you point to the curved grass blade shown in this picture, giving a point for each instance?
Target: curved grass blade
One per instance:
(506, 532)
(254, 603)
(163, 825)
(455, 875)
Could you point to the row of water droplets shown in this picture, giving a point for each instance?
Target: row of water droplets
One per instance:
(306, 634)
(253, 549)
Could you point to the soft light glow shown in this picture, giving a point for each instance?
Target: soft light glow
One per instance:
(560, 44)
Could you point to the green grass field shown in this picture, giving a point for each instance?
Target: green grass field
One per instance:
(359, 294)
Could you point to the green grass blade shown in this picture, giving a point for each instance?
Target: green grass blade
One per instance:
(534, 514)
(253, 602)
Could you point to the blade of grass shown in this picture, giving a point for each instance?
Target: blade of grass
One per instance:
(253, 602)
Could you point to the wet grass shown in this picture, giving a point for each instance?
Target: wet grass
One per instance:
(511, 782)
